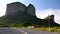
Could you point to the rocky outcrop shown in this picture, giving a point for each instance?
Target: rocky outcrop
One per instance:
(16, 7)
(31, 10)
(18, 12)
(51, 18)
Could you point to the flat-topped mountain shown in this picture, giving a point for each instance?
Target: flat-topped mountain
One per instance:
(15, 7)
(18, 13)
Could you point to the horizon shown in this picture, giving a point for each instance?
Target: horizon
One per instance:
(43, 8)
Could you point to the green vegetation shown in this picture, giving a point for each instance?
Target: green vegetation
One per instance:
(24, 21)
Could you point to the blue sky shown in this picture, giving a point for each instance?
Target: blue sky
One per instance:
(45, 4)
(43, 7)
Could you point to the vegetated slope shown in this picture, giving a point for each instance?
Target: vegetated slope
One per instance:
(26, 20)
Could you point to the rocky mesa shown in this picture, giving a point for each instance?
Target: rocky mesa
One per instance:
(18, 13)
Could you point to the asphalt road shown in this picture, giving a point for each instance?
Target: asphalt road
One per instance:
(9, 30)
(30, 31)
(6, 30)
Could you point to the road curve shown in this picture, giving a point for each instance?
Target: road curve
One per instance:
(9, 30)
(30, 31)
(6, 30)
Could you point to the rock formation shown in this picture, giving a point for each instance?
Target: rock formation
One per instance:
(51, 18)
(18, 13)
(16, 7)
(31, 10)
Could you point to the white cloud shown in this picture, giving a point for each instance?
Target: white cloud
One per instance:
(44, 13)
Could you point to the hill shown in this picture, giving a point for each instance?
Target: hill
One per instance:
(17, 14)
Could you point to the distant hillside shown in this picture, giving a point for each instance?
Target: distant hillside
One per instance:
(17, 14)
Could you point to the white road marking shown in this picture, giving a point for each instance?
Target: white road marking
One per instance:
(21, 30)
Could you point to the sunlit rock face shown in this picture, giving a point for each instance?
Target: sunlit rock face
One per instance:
(31, 10)
(51, 18)
(15, 7)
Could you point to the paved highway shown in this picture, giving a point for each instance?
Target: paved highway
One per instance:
(30, 31)
(9, 30)
(6, 30)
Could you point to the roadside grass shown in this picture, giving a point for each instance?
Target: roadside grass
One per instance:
(52, 29)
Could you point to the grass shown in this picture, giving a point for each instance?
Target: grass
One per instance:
(52, 29)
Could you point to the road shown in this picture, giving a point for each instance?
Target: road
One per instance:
(30, 31)
(6, 30)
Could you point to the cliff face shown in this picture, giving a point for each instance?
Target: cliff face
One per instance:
(16, 7)
(18, 12)
(31, 10)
